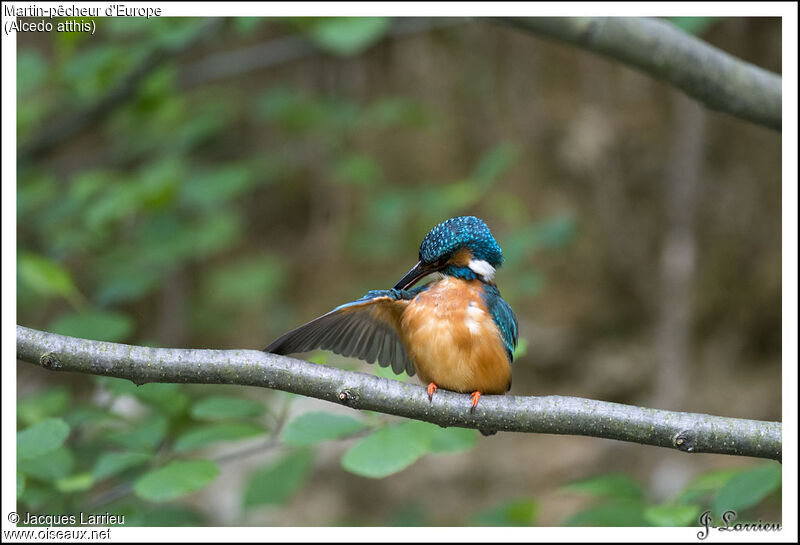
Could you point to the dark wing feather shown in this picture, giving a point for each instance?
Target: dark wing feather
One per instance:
(366, 329)
(503, 317)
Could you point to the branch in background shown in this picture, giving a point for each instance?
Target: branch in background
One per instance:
(719, 80)
(678, 262)
(279, 51)
(677, 274)
(214, 67)
(686, 432)
(76, 123)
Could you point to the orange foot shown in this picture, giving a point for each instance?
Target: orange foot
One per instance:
(431, 390)
(475, 397)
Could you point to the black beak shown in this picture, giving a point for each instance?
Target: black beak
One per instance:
(413, 276)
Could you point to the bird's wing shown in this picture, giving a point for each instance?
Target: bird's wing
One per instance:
(366, 329)
(503, 317)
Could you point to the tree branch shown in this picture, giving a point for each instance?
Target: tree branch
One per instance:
(720, 81)
(686, 432)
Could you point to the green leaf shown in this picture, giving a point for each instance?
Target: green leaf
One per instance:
(512, 513)
(120, 282)
(388, 450)
(707, 483)
(224, 408)
(87, 415)
(175, 480)
(33, 408)
(117, 201)
(408, 515)
(20, 484)
(157, 183)
(451, 198)
(36, 194)
(747, 489)
(169, 515)
(553, 233)
(216, 232)
(293, 111)
(112, 463)
(394, 111)
(75, 483)
(348, 36)
(387, 372)
(246, 25)
(156, 93)
(276, 483)
(530, 282)
(617, 513)
(95, 70)
(494, 163)
(31, 115)
(52, 465)
(453, 439)
(357, 170)
(45, 276)
(521, 349)
(208, 123)
(693, 25)
(116, 386)
(144, 435)
(320, 358)
(248, 281)
(95, 325)
(166, 397)
(31, 72)
(210, 188)
(86, 184)
(68, 37)
(37, 496)
(177, 31)
(672, 514)
(614, 485)
(316, 427)
(213, 433)
(41, 438)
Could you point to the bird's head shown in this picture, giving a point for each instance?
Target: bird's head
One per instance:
(462, 247)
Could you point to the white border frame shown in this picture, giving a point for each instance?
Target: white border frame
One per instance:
(787, 10)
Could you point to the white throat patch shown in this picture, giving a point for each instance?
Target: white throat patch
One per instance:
(482, 269)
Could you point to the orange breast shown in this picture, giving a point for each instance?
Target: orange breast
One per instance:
(451, 338)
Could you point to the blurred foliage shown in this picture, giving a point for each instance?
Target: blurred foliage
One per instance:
(693, 25)
(112, 459)
(152, 231)
(345, 36)
(619, 500)
(512, 513)
(108, 459)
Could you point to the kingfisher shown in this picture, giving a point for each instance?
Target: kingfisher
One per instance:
(455, 332)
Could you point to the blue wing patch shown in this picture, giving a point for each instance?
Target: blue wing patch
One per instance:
(393, 294)
(503, 317)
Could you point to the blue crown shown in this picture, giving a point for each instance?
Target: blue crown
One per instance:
(461, 232)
